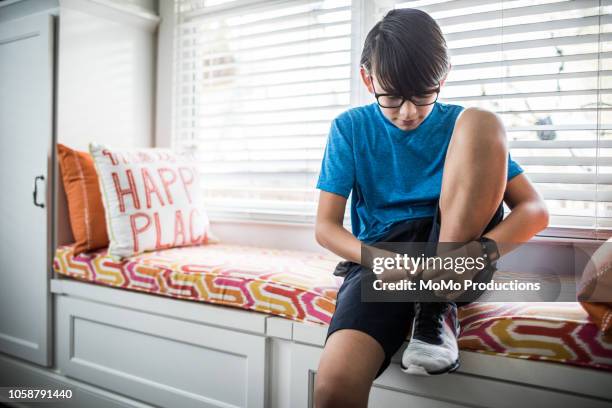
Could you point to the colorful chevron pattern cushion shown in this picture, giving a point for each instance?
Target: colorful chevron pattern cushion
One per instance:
(557, 332)
(291, 284)
(152, 199)
(300, 286)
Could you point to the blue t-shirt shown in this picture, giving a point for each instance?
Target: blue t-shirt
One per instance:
(394, 175)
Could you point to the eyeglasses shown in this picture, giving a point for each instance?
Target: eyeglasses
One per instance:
(395, 101)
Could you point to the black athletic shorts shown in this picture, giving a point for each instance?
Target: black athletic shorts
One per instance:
(387, 322)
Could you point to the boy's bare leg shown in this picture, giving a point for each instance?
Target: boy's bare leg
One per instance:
(343, 380)
(474, 177)
(473, 185)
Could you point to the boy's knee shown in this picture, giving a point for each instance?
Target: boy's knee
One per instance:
(327, 395)
(481, 128)
(334, 390)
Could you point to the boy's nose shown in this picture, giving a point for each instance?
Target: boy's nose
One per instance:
(408, 109)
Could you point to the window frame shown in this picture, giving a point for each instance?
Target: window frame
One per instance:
(365, 14)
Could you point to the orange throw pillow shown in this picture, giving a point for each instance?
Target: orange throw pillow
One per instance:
(85, 207)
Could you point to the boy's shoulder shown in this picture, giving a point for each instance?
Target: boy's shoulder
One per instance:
(449, 106)
(357, 113)
(352, 119)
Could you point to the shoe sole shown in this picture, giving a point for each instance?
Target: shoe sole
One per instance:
(418, 370)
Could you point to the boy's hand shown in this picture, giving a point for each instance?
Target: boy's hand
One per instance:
(472, 250)
(397, 274)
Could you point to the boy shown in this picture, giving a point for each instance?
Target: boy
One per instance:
(418, 170)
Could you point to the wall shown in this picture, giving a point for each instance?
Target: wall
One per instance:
(106, 71)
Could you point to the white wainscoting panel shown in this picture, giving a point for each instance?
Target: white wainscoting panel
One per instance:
(160, 360)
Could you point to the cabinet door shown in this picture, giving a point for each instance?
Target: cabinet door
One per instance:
(26, 140)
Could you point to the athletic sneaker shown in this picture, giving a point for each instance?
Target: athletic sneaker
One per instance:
(433, 345)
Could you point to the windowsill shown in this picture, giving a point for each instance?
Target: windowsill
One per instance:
(551, 233)
(304, 225)
(300, 236)
(565, 234)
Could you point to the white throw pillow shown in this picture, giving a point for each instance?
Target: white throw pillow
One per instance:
(152, 199)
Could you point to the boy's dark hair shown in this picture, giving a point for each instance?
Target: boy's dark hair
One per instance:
(407, 52)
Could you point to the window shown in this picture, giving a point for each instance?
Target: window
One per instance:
(259, 82)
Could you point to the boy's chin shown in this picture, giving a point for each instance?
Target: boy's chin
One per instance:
(404, 126)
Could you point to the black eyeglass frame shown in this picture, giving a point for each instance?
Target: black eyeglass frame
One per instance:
(378, 95)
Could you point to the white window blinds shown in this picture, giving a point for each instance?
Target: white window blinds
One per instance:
(545, 67)
(258, 86)
(258, 83)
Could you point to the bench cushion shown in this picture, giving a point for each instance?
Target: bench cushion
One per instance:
(554, 331)
(292, 284)
(300, 286)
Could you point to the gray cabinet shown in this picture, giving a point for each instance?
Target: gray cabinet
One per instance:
(26, 140)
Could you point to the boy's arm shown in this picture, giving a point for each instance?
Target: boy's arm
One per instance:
(329, 231)
(527, 217)
(330, 234)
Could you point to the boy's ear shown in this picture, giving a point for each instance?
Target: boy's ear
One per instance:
(365, 78)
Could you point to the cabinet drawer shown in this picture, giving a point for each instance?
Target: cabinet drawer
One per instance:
(159, 360)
